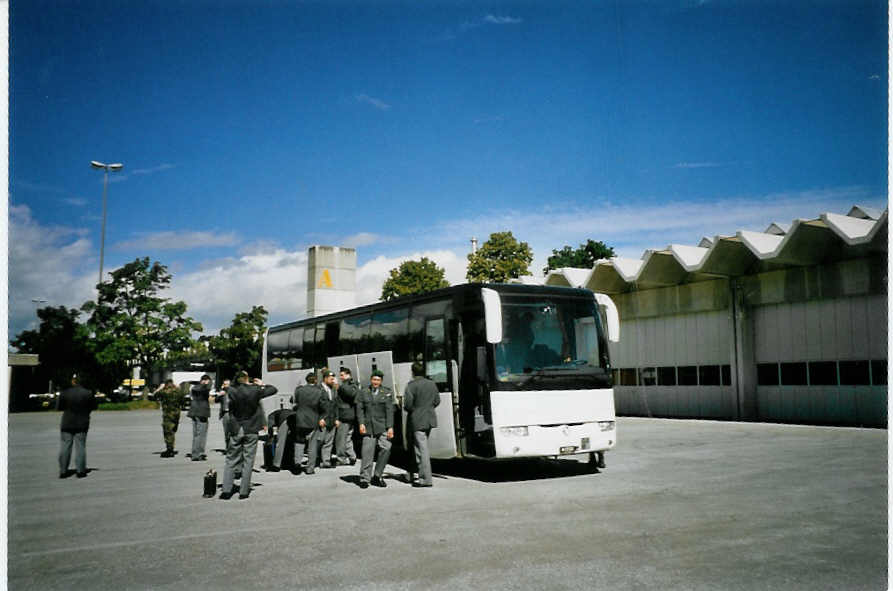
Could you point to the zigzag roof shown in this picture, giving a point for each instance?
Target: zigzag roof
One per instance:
(827, 238)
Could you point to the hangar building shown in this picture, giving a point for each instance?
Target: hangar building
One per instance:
(786, 325)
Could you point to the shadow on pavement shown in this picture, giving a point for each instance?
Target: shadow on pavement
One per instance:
(511, 470)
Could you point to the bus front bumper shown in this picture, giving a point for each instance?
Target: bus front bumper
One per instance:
(554, 440)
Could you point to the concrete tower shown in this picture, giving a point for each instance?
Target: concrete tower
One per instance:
(331, 279)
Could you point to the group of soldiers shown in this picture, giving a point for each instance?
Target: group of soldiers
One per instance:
(325, 421)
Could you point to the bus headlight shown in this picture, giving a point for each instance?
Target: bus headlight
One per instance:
(514, 431)
(606, 426)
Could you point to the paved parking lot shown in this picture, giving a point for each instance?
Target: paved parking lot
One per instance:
(681, 505)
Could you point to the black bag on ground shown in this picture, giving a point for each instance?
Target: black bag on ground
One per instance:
(210, 484)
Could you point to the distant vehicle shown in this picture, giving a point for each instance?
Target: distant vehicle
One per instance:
(522, 370)
(193, 377)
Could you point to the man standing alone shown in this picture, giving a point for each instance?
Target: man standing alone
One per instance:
(76, 404)
(420, 399)
(200, 412)
(375, 418)
(245, 422)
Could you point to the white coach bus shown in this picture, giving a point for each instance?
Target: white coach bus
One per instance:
(522, 370)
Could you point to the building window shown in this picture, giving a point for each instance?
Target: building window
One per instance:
(647, 376)
(708, 375)
(822, 373)
(879, 372)
(854, 373)
(767, 374)
(793, 374)
(628, 376)
(726, 375)
(666, 376)
(688, 375)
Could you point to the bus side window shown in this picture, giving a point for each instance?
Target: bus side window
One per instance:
(435, 351)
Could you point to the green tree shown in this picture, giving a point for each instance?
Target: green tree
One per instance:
(583, 257)
(59, 344)
(413, 277)
(499, 259)
(132, 324)
(240, 345)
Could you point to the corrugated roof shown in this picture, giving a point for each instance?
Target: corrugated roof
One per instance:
(829, 237)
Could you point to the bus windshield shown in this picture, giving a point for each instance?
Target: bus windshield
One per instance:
(553, 338)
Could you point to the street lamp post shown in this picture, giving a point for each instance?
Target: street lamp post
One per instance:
(105, 189)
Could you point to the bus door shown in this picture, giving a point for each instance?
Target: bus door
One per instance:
(350, 362)
(440, 369)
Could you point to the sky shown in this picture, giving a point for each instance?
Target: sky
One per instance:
(252, 130)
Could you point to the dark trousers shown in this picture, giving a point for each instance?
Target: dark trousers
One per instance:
(370, 444)
(240, 458)
(79, 439)
(199, 436)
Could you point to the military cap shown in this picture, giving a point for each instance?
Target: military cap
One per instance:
(328, 373)
(377, 373)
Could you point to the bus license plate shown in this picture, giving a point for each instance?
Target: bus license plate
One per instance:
(568, 449)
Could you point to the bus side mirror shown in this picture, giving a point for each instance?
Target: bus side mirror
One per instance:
(611, 315)
(482, 364)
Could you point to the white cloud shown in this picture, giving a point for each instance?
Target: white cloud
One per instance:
(275, 279)
(633, 227)
(362, 239)
(152, 169)
(369, 100)
(698, 165)
(501, 20)
(874, 77)
(372, 275)
(185, 240)
(52, 263)
(76, 201)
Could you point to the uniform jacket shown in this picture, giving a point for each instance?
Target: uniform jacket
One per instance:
(76, 403)
(244, 402)
(347, 401)
(331, 406)
(310, 406)
(376, 410)
(171, 400)
(419, 399)
(199, 406)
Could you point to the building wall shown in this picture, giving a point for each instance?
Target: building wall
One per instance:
(800, 321)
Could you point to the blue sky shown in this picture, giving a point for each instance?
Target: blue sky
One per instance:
(250, 130)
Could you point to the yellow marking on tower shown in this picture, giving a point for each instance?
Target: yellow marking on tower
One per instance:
(325, 280)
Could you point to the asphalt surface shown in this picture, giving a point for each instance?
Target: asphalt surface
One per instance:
(681, 505)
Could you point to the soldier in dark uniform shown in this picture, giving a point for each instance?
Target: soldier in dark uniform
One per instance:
(375, 420)
(420, 399)
(245, 422)
(76, 404)
(200, 412)
(310, 410)
(326, 433)
(171, 399)
(347, 417)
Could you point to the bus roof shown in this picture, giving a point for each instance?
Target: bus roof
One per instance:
(402, 301)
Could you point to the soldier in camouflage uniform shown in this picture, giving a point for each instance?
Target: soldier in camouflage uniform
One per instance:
(171, 399)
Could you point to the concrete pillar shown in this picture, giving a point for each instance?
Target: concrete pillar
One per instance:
(744, 367)
(331, 279)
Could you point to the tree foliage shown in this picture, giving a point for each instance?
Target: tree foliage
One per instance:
(413, 277)
(583, 257)
(131, 323)
(240, 345)
(58, 342)
(499, 259)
